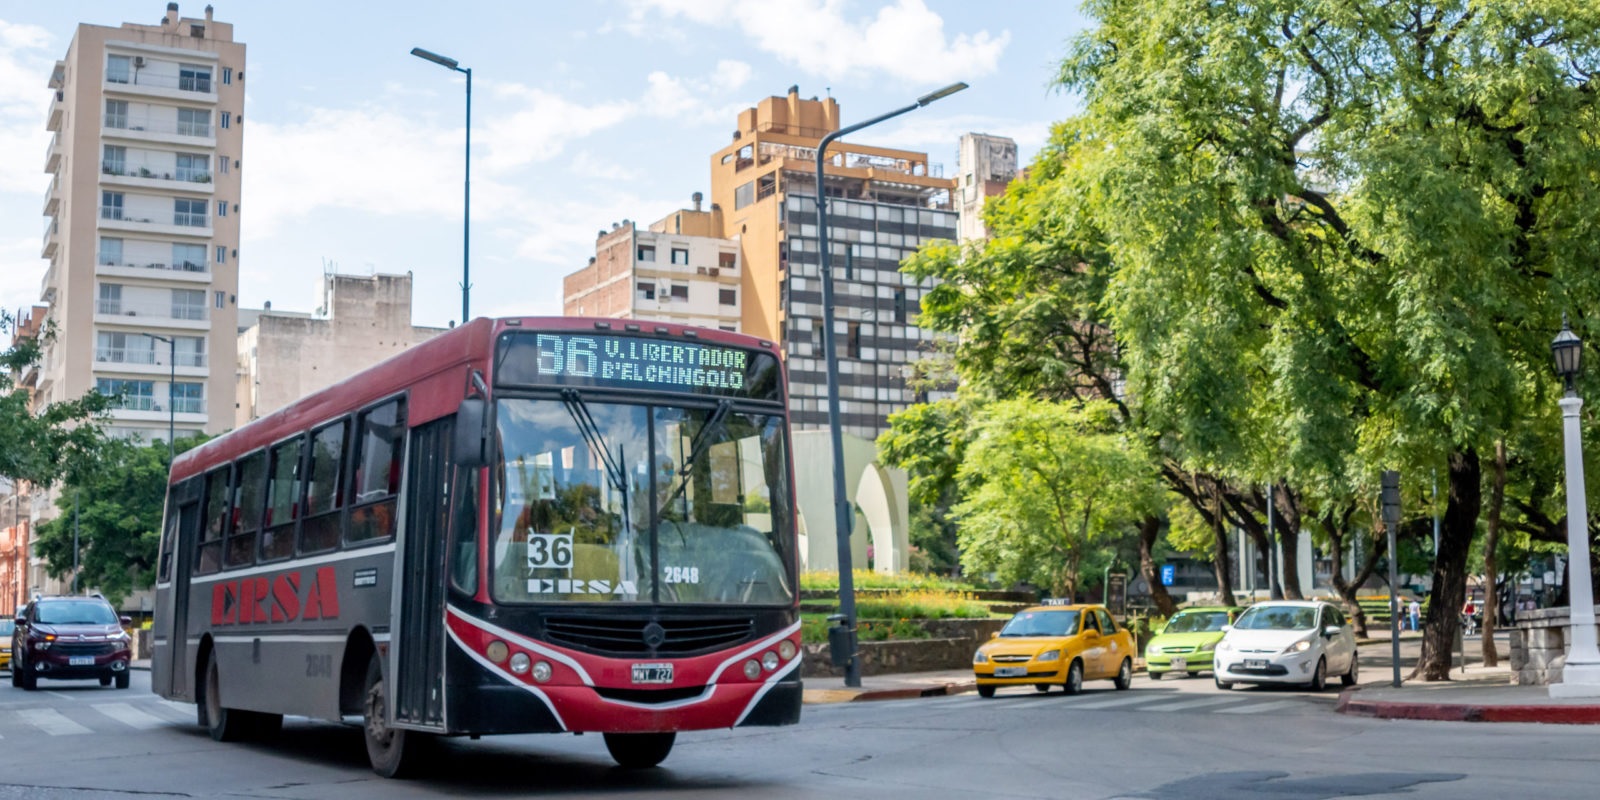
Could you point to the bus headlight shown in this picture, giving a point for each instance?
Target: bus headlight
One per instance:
(752, 669)
(769, 661)
(786, 649)
(519, 663)
(497, 651)
(541, 671)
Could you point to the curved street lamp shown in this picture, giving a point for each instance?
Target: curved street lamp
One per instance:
(841, 503)
(1581, 675)
(466, 203)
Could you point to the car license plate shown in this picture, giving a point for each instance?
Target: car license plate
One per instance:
(1180, 663)
(80, 661)
(1010, 672)
(1255, 663)
(652, 673)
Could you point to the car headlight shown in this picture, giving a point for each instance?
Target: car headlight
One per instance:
(1049, 655)
(1223, 645)
(1299, 647)
(980, 658)
(1208, 647)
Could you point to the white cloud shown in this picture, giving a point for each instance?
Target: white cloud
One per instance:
(542, 126)
(904, 40)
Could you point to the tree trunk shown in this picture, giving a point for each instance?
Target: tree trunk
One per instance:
(1219, 536)
(1491, 597)
(1461, 512)
(1287, 507)
(1149, 529)
(1337, 533)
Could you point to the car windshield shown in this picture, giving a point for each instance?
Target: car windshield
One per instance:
(1278, 618)
(77, 612)
(7, 626)
(1197, 622)
(1042, 623)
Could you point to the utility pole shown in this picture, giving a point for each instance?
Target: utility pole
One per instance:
(1391, 521)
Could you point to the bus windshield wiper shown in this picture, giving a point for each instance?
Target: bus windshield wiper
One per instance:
(697, 447)
(591, 434)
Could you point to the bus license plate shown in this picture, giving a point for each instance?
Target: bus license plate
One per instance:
(652, 673)
(1010, 672)
(80, 661)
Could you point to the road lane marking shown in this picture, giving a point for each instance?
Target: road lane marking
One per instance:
(1121, 701)
(1202, 703)
(52, 722)
(1261, 708)
(130, 716)
(60, 695)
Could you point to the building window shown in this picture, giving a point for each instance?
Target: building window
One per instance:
(194, 122)
(116, 113)
(226, 119)
(647, 291)
(222, 164)
(853, 341)
(114, 159)
(744, 195)
(680, 255)
(728, 297)
(222, 208)
(189, 398)
(221, 298)
(900, 305)
(118, 68)
(194, 168)
(191, 351)
(727, 260)
(110, 252)
(647, 252)
(227, 74)
(192, 78)
(729, 328)
(110, 299)
(188, 304)
(680, 291)
(189, 257)
(197, 31)
(111, 205)
(222, 254)
(189, 213)
(133, 395)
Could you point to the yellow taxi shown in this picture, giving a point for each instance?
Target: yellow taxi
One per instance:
(1055, 645)
(7, 625)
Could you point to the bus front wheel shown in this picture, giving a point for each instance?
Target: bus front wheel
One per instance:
(639, 750)
(394, 753)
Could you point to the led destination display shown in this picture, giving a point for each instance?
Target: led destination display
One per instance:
(644, 363)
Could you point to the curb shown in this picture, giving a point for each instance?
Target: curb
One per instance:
(1466, 712)
(827, 696)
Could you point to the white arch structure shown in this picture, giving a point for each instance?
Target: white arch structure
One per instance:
(879, 494)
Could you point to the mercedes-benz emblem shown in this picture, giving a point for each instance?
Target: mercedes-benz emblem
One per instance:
(654, 635)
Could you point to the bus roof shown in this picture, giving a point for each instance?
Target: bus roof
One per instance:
(438, 366)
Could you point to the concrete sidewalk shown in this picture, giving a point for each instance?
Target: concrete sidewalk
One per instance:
(903, 686)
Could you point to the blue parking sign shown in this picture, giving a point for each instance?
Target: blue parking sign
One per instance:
(1168, 573)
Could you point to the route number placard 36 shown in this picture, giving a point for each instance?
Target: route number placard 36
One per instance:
(550, 550)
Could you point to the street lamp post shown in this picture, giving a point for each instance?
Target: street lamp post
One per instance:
(1581, 675)
(841, 503)
(466, 201)
(172, 385)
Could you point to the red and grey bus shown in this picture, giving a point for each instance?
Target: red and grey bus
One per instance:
(521, 525)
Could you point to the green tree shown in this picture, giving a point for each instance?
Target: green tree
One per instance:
(1045, 483)
(118, 502)
(1344, 232)
(40, 447)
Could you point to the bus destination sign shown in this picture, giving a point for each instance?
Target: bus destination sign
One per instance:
(639, 362)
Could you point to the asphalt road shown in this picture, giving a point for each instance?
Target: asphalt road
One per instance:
(1168, 739)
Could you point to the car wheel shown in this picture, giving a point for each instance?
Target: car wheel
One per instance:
(105, 680)
(985, 691)
(1222, 684)
(1075, 677)
(1350, 677)
(26, 679)
(1319, 676)
(1041, 687)
(16, 674)
(1124, 677)
(122, 679)
(639, 750)
(394, 753)
(1156, 676)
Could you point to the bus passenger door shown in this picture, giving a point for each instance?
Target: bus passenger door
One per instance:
(172, 672)
(417, 650)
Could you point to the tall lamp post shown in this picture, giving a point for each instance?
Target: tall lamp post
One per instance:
(841, 503)
(1581, 676)
(172, 385)
(466, 202)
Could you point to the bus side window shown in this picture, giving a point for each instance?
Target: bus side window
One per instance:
(217, 503)
(245, 522)
(283, 470)
(168, 538)
(320, 530)
(377, 472)
(464, 532)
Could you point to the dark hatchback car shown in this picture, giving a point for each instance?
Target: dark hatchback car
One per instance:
(70, 638)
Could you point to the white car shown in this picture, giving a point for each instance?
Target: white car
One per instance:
(1288, 641)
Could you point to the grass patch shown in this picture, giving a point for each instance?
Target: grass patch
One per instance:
(867, 579)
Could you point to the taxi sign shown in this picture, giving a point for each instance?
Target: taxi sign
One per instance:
(1057, 601)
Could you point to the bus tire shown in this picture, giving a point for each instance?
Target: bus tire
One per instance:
(394, 753)
(639, 750)
(224, 724)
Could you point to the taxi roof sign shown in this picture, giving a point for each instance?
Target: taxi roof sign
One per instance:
(1057, 601)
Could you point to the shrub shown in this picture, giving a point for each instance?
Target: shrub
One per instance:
(867, 579)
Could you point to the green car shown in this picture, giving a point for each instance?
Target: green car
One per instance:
(1185, 645)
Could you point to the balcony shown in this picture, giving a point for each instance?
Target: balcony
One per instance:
(58, 110)
(152, 313)
(52, 154)
(150, 129)
(172, 87)
(149, 361)
(149, 175)
(52, 197)
(51, 238)
(114, 218)
(187, 271)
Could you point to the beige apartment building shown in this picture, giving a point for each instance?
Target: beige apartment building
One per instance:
(677, 270)
(985, 166)
(142, 233)
(285, 355)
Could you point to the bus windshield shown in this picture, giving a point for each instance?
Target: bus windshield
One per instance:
(579, 485)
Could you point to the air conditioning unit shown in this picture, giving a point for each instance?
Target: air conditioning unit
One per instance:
(701, 270)
(138, 62)
(715, 272)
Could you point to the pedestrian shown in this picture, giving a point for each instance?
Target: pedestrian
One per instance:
(1469, 612)
(1414, 614)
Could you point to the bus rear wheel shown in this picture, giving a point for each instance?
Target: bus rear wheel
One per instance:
(224, 724)
(394, 753)
(639, 750)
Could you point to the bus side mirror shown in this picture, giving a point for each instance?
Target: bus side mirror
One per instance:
(466, 446)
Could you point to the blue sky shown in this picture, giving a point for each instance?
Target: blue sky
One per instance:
(583, 114)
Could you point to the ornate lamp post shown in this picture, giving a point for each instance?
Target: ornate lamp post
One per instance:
(1581, 676)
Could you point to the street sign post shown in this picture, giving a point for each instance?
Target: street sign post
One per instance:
(1391, 521)
(1169, 573)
